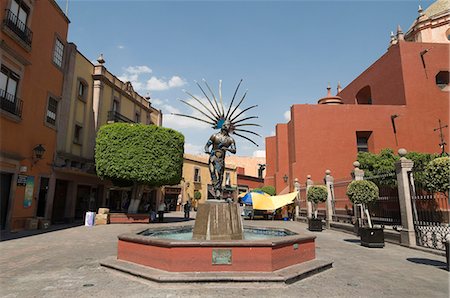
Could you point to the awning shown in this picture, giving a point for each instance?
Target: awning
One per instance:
(273, 202)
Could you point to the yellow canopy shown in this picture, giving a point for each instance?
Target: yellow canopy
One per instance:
(273, 202)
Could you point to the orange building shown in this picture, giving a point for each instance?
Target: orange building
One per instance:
(32, 43)
(395, 103)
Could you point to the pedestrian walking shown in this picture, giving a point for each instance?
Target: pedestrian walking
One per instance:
(161, 209)
(187, 210)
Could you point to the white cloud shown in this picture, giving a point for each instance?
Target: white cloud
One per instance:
(193, 149)
(287, 115)
(155, 84)
(259, 153)
(273, 133)
(157, 101)
(120, 47)
(176, 81)
(138, 69)
(183, 123)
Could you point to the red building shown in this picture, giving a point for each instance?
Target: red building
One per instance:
(395, 103)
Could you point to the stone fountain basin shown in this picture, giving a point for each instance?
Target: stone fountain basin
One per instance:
(172, 255)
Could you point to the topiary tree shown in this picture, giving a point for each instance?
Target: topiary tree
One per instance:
(197, 195)
(363, 192)
(139, 154)
(437, 174)
(268, 189)
(317, 194)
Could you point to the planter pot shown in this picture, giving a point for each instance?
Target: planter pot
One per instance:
(372, 237)
(315, 224)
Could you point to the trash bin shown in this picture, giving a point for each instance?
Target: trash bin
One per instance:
(89, 219)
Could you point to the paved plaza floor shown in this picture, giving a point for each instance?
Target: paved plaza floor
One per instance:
(65, 263)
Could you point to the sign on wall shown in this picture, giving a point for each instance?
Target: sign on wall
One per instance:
(21, 180)
(29, 188)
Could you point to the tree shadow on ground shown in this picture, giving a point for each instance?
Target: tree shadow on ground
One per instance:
(7, 235)
(423, 261)
(172, 220)
(352, 240)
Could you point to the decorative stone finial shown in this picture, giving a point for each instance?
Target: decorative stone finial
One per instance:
(339, 88)
(393, 39)
(400, 35)
(402, 152)
(328, 90)
(327, 172)
(100, 59)
(420, 11)
(356, 164)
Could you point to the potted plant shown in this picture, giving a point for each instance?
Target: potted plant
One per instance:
(363, 192)
(316, 194)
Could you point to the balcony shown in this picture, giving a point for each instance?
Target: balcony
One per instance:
(13, 23)
(10, 103)
(114, 116)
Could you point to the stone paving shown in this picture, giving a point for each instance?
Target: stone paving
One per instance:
(65, 263)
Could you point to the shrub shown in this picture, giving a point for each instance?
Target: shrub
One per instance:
(268, 189)
(144, 154)
(437, 174)
(317, 194)
(197, 195)
(362, 191)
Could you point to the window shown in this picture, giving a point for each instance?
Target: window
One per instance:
(227, 178)
(364, 96)
(58, 52)
(19, 14)
(442, 79)
(52, 110)
(197, 177)
(138, 117)
(82, 91)
(8, 84)
(77, 134)
(115, 106)
(149, 119)
(363, 141)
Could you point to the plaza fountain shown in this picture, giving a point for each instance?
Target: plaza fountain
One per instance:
(218, 242)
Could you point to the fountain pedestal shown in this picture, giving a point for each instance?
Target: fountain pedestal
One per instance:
(218, 220)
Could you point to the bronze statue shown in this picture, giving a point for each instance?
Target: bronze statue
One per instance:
(228, 123)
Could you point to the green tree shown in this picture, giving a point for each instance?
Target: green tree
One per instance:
(140, 155)
(363, 192)
(317, 194)
(437, 174)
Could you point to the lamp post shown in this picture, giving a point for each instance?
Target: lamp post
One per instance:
(38, 153)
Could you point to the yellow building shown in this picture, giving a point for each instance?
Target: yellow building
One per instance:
(92, 97)
(196, 178)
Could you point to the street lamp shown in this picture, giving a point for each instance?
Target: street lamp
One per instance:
(38, 153)
(285, 178)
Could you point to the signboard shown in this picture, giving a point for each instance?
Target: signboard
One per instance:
(173, 191)
(29, 188)
(21, 180)
(221, 256)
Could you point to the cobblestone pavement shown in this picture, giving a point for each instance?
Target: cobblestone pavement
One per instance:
(65, 263)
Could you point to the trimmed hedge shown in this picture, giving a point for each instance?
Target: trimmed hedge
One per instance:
(437, 174)
(362, 191)
(317, 194)
(146, 154)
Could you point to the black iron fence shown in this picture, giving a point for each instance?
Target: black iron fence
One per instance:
(117, 117)
(431, 214)
(10, 103)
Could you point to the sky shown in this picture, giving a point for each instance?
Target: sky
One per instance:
(286, 52)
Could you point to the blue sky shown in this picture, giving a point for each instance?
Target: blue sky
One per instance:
(285, 51)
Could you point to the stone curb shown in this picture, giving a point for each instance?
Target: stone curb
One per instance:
(286, 275)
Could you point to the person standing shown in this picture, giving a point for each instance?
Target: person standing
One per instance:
(187, 210)
(161, 209)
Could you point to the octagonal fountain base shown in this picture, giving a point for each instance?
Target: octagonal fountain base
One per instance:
(277, 259)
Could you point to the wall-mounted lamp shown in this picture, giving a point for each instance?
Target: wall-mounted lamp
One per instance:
(285, 178)
(38, 153)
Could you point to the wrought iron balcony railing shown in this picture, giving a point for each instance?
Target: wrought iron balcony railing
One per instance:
(117, 117)
(10, 103)
(18, 27)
